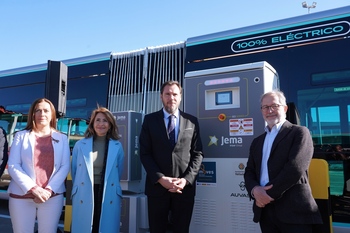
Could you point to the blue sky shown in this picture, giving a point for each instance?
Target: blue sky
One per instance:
(34, 31)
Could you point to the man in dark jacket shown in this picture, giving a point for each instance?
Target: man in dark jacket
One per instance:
(3, 150)
(276, 176)
(171, 153)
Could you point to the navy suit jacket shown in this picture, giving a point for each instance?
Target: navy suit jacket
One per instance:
(288, 164)
(3, 150)
(160, 159)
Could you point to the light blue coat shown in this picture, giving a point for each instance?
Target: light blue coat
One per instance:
(83, 182)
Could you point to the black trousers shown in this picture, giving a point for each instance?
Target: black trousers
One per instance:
(172, 208)
(97, 209)
(269, 223)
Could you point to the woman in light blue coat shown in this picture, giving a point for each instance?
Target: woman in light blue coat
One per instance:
(97, 165)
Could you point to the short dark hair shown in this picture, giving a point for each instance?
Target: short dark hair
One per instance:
(170, 83)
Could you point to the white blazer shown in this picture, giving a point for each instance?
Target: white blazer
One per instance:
(21, 166)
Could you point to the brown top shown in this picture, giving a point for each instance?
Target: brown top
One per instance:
(43, 160)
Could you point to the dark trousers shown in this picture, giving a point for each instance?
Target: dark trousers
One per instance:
(172, 208)
(97, 209)
(269, 223)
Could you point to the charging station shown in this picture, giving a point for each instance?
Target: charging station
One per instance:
(129, 125)
(226, 102)
(134, 217)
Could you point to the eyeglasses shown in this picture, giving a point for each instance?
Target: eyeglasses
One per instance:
(273, 107)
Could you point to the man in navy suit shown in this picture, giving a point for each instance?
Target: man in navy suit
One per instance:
(171, 169)
(3, 150)
(276, 176)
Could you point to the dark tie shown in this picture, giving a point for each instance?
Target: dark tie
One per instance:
(171, 130)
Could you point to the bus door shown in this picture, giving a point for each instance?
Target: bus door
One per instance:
(325, 111)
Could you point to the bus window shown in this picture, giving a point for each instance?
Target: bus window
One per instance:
(12, 123)
(73, 127)
(326, 124)
(4, 125)
(325, 111)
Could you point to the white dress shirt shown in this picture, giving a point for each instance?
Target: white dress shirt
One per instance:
(270, 137)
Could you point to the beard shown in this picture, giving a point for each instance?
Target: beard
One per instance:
(170, 109)
(273, 121)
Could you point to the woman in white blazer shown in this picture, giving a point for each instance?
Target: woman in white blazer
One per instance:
(38, 165)
(97, 165)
